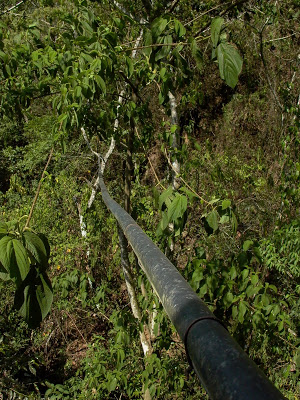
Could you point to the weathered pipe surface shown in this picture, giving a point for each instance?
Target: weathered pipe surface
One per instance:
(223, 368)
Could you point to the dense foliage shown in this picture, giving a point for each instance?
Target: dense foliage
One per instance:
(213, 179)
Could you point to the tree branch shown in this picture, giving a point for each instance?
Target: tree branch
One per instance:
(12, 8)
(221, 14)
(141, 21)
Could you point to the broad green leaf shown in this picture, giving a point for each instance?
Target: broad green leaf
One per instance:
(77, 91)
(245, 273)
(212, 220)
(44, 239)
(3, 56)
(247, 244)
(164, 50)
(34, 297)
(161, 98)
(197, 54)
(87, 27)
(148, 42)
(179, 28)
(224, 219)
(177, 208)
(165, 221)
(254, 279)
(100, 83)
(233, 272)
(203, 290)
(87, 57)
(226, 204)
(165, 194)
(163, 73)
(242, 311)
(158, 26)
(36, 247)
(3, 229)
(215, 30)
(14, 258)
(112, 384)
(250, 291)
(230, 63)
(129, 64)
(234, 312)
(228, 299)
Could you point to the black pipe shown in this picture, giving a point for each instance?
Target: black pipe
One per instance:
(223, 368)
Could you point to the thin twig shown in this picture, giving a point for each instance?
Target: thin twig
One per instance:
(282, 38)
(141, 21)
(207, 12)
(189, 187)
(197, 38)
(221, 14)
(71, 318)
(38, 190)
(266, 67)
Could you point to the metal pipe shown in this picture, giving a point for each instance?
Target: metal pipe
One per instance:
(223, 368)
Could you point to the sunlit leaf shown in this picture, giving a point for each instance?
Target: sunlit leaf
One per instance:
(14, 258)
(230, 63)
(215, 29)
(36, 247)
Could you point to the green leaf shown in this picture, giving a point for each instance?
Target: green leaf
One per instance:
(165, 221)
(46, 243)
(161, 98)
(224, 219)
(162, 73)
(3, 229)
(164, 50)
(212, 220)
(179, 28)
(177, 208)
(203, 290)
(197, 54)
(215, 30)
(230, 63)
(165, 194)
(14, 258)
(247, 244)
(158, 26)
(100, 83)
(129, 64)
(148, 42)
(245, 273)
(228, 299)
(254, 279)
(34, 297)
(77, 91)
(242, 311)
(226, 204)
(87, 57)
(36, 247)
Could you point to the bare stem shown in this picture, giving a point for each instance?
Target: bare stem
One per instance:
(38, 190)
